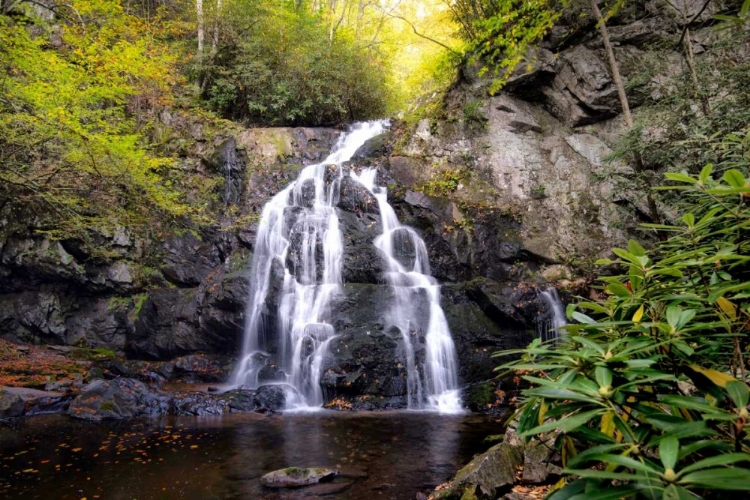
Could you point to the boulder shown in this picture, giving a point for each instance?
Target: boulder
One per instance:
(486, 476)
(354, 197)
(538, 466)
(294, 477)
(380, 145)
(273, 398)
(11, 405)
(117, 399)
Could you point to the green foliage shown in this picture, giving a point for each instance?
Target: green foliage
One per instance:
(649, 393)
(445, 182)
(70, 147)
(501, 35)
(678, 126)
(278, 64)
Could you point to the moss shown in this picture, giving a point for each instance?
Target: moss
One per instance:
(98, 354)
(140, 299)
(107, 406)
(121, 303)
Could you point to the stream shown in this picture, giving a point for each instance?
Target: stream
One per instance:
(390, 455)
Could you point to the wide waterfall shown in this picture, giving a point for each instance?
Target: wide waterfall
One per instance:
(296, 270)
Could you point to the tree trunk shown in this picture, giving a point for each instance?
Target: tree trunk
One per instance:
(215, 38)
(201, 31)
(617, 79)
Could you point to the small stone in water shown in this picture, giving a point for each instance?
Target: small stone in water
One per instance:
(293, 477)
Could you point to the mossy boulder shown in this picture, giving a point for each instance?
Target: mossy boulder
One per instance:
(486, 476)
(294, 477)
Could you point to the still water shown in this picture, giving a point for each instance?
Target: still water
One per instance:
(383, 455)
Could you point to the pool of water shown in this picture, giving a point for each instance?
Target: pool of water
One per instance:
(385, 455)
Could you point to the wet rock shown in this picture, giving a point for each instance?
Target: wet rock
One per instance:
(118, 399)
(294, 477)
(272, 398)
(354, 197)
(379, 145)
(197, 404)
(48, 405)
(11, 405)
(199, 368)
(231, 164)
(239, 400)
(362, 262)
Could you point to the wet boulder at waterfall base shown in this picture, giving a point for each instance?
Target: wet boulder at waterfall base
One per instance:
(295, 477)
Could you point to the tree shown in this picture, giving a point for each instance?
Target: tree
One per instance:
(70, 150)
(640, 169)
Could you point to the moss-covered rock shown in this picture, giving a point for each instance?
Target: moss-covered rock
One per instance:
(485, 477)
(293, 477)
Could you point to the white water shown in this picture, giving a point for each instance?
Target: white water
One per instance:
(296, 226)
(552, 330)
(432, 384)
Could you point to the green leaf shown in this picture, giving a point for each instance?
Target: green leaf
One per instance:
(706, 173)
(668, 450)
(680, 177)
(739, 393)
(603, 376)
(609, 493)
(566, 424)
(675, 492)
(636, 249)
(582, 318)
(734, 178)
(733, 478)
(724, 459)
(618, 289)
(552, 393)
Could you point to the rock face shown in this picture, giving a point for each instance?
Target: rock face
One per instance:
(294, 477)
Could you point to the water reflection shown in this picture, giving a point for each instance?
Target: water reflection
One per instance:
(388, 456)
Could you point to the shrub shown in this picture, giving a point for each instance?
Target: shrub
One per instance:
(649, 394)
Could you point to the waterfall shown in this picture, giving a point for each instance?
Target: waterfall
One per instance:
(296, 271)
(296, 274)
(551, 330)
(432, 384)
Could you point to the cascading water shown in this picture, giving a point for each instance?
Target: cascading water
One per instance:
(434, 384)
(297, 265)
(552, 329)
(296, 272)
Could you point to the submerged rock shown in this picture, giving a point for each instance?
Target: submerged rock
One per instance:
(294, 477)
